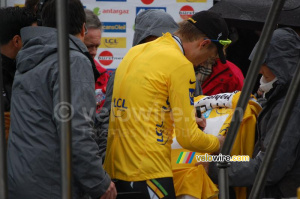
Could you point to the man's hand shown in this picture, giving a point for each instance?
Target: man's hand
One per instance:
(221, 139)
(111, 192)
(201, 121)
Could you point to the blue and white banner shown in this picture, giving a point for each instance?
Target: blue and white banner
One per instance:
(118, 18)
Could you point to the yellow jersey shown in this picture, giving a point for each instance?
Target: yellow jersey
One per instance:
(152, 98)
(218, 111)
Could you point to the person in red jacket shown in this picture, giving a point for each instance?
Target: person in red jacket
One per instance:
(216, 77)
(92, 40)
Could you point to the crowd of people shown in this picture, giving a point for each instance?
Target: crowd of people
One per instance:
(129, 143)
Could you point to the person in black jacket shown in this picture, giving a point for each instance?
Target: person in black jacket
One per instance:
(12, 19)
(278, 69)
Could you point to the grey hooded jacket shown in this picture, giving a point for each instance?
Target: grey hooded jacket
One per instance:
(34, 141)
(283, 180)
(147, 23)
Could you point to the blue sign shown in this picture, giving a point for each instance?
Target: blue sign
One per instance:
(114, 27)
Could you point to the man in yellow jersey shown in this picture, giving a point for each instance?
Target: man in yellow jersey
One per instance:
(152, 98)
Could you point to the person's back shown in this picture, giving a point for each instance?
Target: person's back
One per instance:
(149, 25)
(34, 169)
(141, 107)
(152, 98)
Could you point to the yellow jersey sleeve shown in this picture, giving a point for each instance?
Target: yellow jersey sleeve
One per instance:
(181, 97)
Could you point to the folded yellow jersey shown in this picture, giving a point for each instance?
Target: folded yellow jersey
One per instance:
(218, 111)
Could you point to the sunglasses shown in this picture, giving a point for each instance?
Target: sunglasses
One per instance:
(222, 42)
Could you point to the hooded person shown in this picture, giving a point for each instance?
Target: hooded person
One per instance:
(278, 69)
(149, 25)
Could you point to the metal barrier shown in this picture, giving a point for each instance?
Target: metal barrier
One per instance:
(65, 96)
(3, 167)
(255, 65)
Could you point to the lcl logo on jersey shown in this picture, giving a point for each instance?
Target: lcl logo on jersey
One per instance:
(191, 95)
(186, 12)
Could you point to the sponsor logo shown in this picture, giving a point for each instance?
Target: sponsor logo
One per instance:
(185, 158)
(113, 42)
(191, 95)
(113, 0)
(115, 11)
(141, 9)
(186, 12)
(106, 58)
(147, 2)
(114, 27)
(97, 11)
(192, 1)
(192, 82)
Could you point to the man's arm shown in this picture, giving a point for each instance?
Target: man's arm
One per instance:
(181, 91)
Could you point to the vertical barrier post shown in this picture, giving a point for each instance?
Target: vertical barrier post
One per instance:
(65, 96)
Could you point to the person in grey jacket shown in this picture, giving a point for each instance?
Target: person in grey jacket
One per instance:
(34, 169)
(149, 25)
(278, 69)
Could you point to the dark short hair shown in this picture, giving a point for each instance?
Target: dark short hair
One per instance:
(76, 17)
(12, 19)
(92, 20)
(31, 5)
